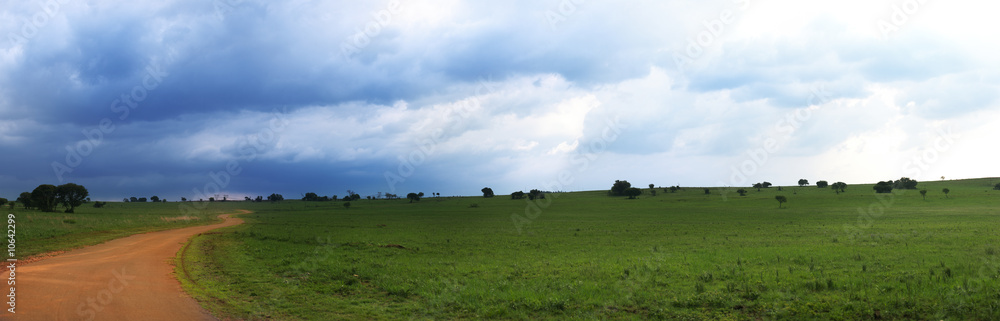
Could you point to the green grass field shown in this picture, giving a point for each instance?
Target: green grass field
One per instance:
(39, 232)
(684, 255)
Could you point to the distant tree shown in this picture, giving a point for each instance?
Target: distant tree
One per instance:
(923, 194)
(781, 200)
(3, 201)
(100, 204)
(758, 186)
(742, 192)
(25, 200)
(488, 192)
(44, 197)
(133, 199)
(259, 199)
(211, 199)
(904, 183)
(125, 200)
(347, 205)
(766, 184)
(154, 199)
(71, 195)
(517, 195)
(275, 197)
(310, 197)
(946, 191)
(413, 197)
(618, 189)
(822, 184)
(841, 186)
(633, 192)
(708, 191)
(674, 189)
(883, 187)
(651, 186)
(184, 199)
(803, 182)
(779, 188)
(996, 187)
(535, 194)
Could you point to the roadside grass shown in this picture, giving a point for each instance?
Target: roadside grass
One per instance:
(683, 255)
(39, 232)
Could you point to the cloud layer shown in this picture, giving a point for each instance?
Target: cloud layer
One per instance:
(143, 99)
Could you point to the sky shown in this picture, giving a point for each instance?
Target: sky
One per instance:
(185, 98)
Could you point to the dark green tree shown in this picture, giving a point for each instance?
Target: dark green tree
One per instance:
(3, 201)
(71, 195)
(923, 194)
(766, 184)
(708, 191)
(904, 183)
(44, 197)
(535, 194)
(781, 200)
(154, 199)
(517, 195)
(25, 200)
(945, 191)
(758, 186)
(803, 182)
(633, 192)
(618, 189)
(742, 192)
(996, 187)
(822, 184)
(841, 186)
(488, 192)
(414, 197)
(883, 187)
(310, 197)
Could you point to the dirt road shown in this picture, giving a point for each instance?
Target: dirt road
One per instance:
(125, 279)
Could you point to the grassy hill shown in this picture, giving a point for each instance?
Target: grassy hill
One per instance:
(684, 255)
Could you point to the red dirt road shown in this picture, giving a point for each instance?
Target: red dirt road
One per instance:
(125, 279)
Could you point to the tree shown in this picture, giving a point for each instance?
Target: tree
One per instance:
(100, 204)
(211, 199)
(923, 194)
(274, 197)
(71, 195)
(154, 199)
(413, 197)
(905, 183)
(488, 192)
(758, 186)
(781, 200)
(883, 187)
(946, 191)
(25, 199)
(766, 184)
(708, 191)
(633, 192)
(996, 187)
(310, 197)
(803, 182)
(674, 189)
(841, 186)
(517, 195)
(618, 189)
(742, 192)
(822, 184)
(133, 199)
(3, 201)
(651, 186)
(533, 194)
(184, 199)
(44, 197)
